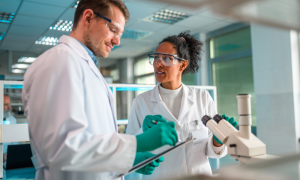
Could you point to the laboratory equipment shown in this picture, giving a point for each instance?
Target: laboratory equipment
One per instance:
(242, 145)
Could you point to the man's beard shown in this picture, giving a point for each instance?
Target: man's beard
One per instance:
(6, 114)
(90, 44)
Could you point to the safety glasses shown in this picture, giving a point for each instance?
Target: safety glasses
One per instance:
(166, 59)
(113, 26)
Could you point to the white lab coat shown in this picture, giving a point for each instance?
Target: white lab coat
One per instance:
(72, 125)
(9, 120)
(193, 158)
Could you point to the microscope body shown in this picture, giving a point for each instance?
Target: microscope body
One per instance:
(242, 145)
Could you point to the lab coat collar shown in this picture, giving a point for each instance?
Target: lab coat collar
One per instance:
(79, 49)
(186, 103)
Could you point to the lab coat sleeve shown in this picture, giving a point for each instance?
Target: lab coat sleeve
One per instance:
(58, 123)
(134, 126)
(211, 150)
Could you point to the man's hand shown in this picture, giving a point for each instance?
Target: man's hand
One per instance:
(149, 168)
(157, 136)
(148, 121)
(4, 157)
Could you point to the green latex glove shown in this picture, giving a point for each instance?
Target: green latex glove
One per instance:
(231, 121)
(157, 136)
(148, 121)
(149, 168)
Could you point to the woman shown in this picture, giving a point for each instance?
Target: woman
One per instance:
(171, 100)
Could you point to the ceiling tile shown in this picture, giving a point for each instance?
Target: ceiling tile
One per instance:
(150, 3)
(3, 27)
(196, 22)
(64, 3)
(155, 38)
(131, 22)
(186, 10)
(40, 10)
(12, 45)
(26, 31)
(29, 21)
(19, 38)
(148, 26)
(68, 15)
(208, 13)
(140, 11)
(9, 6)
(173, 30)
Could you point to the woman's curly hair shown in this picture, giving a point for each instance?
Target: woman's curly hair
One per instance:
(188, 48)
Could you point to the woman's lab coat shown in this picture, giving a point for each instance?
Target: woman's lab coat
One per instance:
(193, 158)
(72, 124)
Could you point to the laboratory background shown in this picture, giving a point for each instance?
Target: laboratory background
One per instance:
(249, 47)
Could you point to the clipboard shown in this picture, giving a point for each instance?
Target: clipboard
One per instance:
(149, 160)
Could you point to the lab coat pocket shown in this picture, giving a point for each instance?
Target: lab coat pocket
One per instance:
(201, 137)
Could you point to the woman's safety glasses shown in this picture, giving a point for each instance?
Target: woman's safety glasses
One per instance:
(166, 59)
(113, 26)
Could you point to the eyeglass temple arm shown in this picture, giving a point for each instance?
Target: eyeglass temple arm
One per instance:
(109, 20)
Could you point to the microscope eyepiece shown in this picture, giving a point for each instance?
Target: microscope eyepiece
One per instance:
(218, 118)
(205, 119)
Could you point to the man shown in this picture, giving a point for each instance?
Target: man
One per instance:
(69, 107)
(8, 118)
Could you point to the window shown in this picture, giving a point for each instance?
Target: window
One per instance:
(231, 69)
(144, 73)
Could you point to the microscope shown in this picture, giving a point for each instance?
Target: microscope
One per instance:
(242, 145)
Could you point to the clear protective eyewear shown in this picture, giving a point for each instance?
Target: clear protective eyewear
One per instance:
(113, 26)
(166, 59)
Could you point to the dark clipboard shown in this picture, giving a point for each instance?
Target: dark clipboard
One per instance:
(148, 161)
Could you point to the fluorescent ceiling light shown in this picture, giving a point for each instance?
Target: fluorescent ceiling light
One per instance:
(44, 40)
(6, 17)
(18, 71)
(75, 4)
(27, 59)
(134, 34)
(62, 25)
(2, 35)
(21, 66)
(167, 16)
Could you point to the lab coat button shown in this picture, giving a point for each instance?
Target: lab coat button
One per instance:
(183, 167)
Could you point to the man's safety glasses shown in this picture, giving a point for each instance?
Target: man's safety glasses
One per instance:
(113, 26)
(166, 59)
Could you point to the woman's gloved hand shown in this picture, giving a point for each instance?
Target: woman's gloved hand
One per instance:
(231, 121)
(157, 136)
(148, 169)
(148, 121)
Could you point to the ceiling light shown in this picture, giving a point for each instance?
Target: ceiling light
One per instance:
(6, 17)
(27, 59)
(20, 66)
(44, 40)
(75, 4)
(18, 71)
(167, 16)
(62, 25)
(2, 35)
(134, 34)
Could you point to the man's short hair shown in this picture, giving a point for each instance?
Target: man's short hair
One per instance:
(100, 6)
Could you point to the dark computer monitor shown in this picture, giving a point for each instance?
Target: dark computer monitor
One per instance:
(18, 156)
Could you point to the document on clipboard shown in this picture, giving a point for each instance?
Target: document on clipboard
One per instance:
(149, 160)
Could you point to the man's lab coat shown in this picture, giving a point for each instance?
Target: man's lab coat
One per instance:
(193, 158)
(72, 125)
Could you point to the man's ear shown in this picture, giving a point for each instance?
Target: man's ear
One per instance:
(87, 16)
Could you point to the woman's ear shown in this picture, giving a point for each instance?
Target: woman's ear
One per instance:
(184, 64)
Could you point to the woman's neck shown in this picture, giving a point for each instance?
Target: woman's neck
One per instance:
(171, 85)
